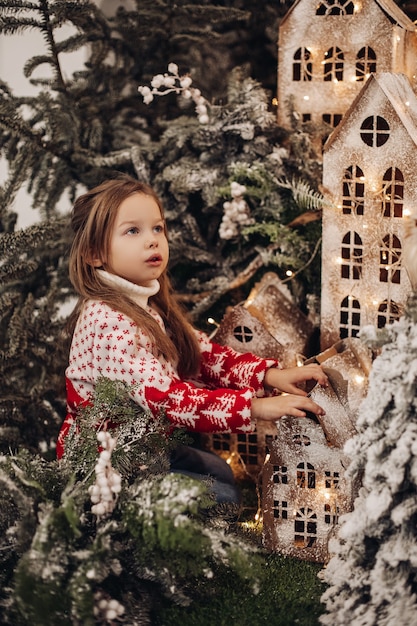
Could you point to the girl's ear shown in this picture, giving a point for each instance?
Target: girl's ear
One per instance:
(94, 260)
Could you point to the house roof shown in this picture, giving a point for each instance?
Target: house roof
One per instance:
(391, 10)
(398, 90)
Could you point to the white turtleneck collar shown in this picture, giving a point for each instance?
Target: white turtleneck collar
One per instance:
(139, 293)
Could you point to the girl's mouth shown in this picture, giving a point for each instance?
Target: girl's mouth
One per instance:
(155, 259)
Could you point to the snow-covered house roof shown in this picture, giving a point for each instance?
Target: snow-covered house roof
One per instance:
(398, 91)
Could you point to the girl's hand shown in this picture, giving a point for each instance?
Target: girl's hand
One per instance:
(287, 380)
(271, 409)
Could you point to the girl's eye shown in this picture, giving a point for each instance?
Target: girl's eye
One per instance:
(132, 231)
(159, 228)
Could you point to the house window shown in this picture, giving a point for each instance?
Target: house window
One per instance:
(221, 442)
(351, 253)
(331, 480)
(375, 131)
(306, 476)
(389, 260)
(365, 63)
(280, 509)
(305, 527)
(353, 191)
(306, 118)
(332, 119)
(333, 64)
(335, 7)
(243, 334)
(388, 311)
(268, 440)
(392, 193)
(280, 475)
(331, 513)
(301, 440)
(247, 447)
(350, 317)
(302, 67)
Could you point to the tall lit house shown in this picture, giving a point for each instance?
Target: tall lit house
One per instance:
(369, 181)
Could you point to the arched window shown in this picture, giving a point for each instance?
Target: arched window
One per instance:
(390, 260)
(305, 528)
(392, 193)
(365, 63)
(333, 64)
(350, 317)
(335, 7)
(302, 68)
(375, 131)
(306, 476)
(388, 311)
(353, 191)
(351, 252)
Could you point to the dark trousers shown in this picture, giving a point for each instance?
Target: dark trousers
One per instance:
(202, 465)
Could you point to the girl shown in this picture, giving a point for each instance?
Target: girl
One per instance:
(128, 326)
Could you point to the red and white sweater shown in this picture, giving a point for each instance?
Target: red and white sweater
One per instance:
(107, 343)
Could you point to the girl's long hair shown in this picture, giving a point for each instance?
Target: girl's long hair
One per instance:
(92, 219)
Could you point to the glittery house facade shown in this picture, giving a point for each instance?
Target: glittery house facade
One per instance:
(328, 48)
(369, 186)
(305, 487)
(270, 325)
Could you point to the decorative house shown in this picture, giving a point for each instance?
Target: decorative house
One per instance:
(270, 325)
(305, 486)
(369, 186)
(328, 48)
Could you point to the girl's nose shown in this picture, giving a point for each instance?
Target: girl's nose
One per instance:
(152, 243)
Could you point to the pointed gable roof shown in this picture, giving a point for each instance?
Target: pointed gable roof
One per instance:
(389, 7)
(398, 91)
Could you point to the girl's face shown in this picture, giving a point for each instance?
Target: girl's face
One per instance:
(138, 249)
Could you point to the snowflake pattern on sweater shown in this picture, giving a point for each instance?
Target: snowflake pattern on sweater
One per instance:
(107, 343)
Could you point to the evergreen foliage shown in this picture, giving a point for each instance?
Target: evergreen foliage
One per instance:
(61, 563)
(373, 575)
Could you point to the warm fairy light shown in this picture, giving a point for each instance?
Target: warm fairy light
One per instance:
(339, 260)
(289, 273)
(267, 457)
(335, 80)
(356, 7)
(407, 103)
(306, 97)
(212, 321)
(274, 102)
(359, 379)
(299, 360)
(374, 302)
(407, 212)
(327, 495)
